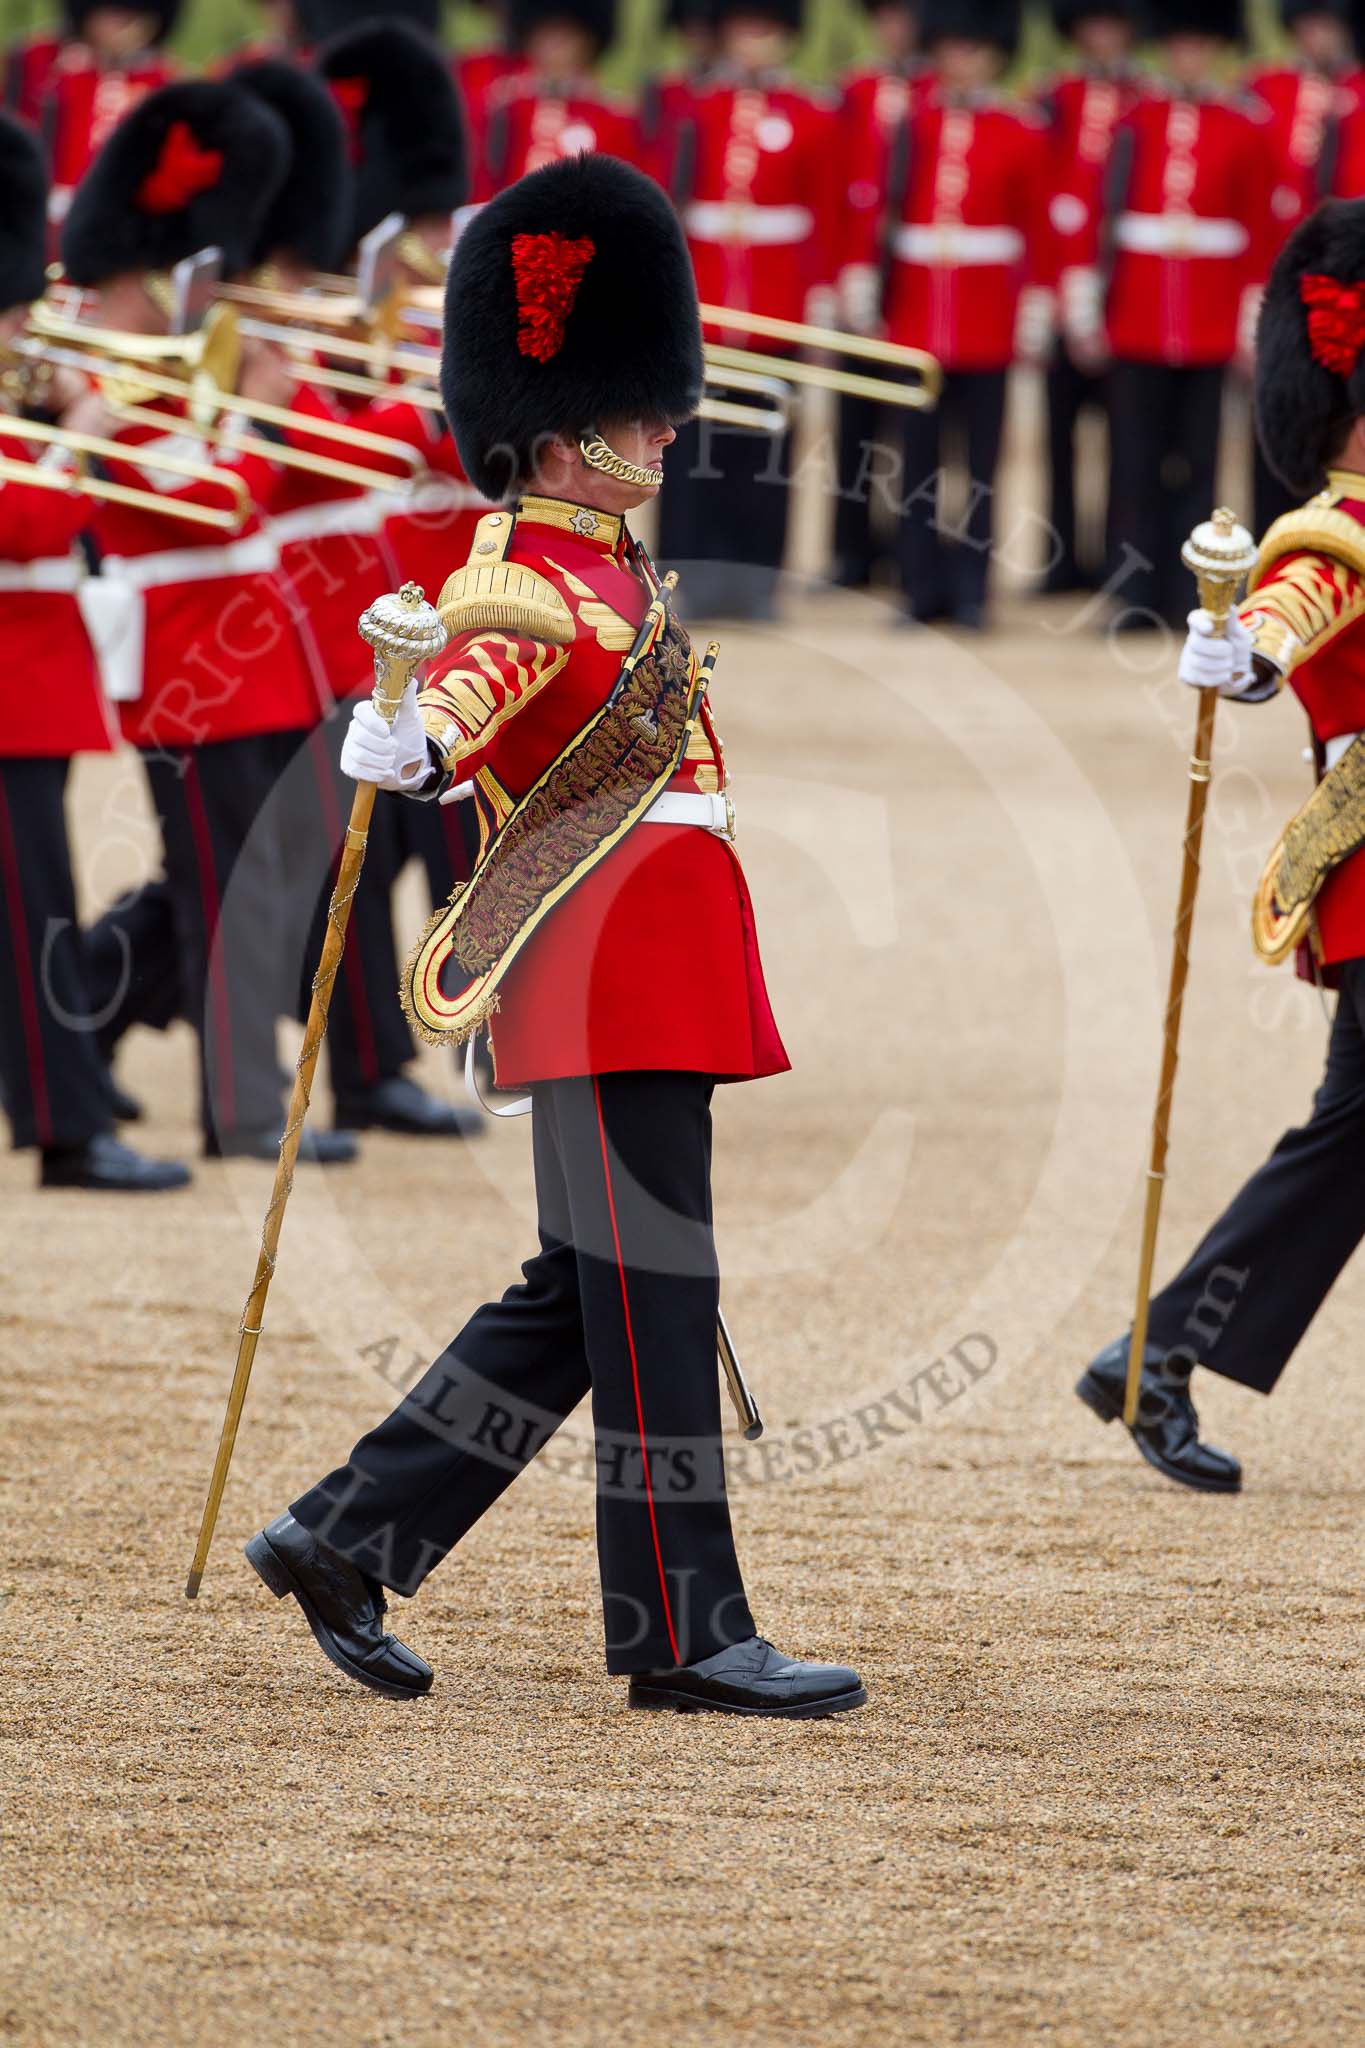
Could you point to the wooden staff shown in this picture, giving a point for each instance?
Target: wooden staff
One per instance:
(404, 631)
(1220, 552)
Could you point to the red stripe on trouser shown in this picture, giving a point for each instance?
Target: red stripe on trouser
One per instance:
(215, 967)
(23, 965)
(634, 1372)
(352, 966)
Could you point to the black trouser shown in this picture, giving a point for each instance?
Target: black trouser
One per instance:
(1078, 560)
(54, 1079)
(723, 518)
(869, 468)
(1164, 426)
(215, 918)
(1251, 1289)
(368, 1040)
(945, 565)
(620, 1301)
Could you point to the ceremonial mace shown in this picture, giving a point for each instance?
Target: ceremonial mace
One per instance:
(1220, 552)
(404, 631)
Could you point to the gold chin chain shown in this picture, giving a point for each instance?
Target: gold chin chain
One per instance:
(598, 455)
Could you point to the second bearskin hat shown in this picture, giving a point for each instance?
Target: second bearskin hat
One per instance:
(1295, 10)
(978, 21)
(401, 108)
(596, 18)
(193, 166)
(1225, 19)
(309, 217)
(571, 303)
(23, 218)
(1310, 346)
(787, 13)
(1067, 15)
(165, 15)
(322, 19)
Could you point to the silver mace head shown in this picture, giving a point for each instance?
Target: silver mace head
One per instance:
(402, 626)
(1220, 552)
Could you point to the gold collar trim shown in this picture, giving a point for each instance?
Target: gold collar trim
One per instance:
(1341, 480)
(585, 520)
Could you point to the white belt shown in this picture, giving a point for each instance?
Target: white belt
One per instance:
(435, 492)
(51, 572)
(1334, 749)
(256, 555)
(718, 220)
(333, 517)
(955, 242)
(684, 807)
(1179, 234)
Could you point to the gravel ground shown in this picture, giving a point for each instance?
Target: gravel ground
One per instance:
(1108, 1789)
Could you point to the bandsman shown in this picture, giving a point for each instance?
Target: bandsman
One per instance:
(53, 1078)
(1244, 1299)
(569, 674)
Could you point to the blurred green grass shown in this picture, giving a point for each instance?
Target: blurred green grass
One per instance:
(836, 34)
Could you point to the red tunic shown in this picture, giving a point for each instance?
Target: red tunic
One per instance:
(222, 657)
(427, 536)
(478, 75)
(53, 702)
(83, 103)
(873, 105)
(1082, 111)
(969, 231)
(1191, 227)
(27, 68)
(530, 124)
(1305, 109)
(761, 208)
(652, 961)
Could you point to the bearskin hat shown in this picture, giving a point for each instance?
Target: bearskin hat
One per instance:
(1225, 19)
(1067, 15)
(166, 15)
(400, 105)
(23, 218)
(977, 21)
(193, 166)
(571, 303)
(310, 216)
(596, 18)
(786, 13)
(1294, 10)
(1310, 346)
(322, 19)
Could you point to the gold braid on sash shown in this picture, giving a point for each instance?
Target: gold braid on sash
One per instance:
(1327, 831)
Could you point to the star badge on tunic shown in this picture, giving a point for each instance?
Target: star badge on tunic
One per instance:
(584, 522)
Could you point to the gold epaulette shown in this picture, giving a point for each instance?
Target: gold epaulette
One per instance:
(1314, 528)
(504, 597)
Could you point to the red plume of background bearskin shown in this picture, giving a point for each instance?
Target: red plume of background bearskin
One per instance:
(1310, 347)
(571, 303)
(23, 218)
(193, 166)
(309, 217)
(402, 114)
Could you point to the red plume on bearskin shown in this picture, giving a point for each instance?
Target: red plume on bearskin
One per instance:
(183, 170)
(548, 270)
(1336, 322)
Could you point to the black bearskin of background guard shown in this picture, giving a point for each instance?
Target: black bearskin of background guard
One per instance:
(310, 216)
(412, 146)
(23, 218)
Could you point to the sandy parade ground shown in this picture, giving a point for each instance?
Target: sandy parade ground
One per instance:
(1109, 1787)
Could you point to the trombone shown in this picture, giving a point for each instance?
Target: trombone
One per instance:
(921, 397)
(76, 482)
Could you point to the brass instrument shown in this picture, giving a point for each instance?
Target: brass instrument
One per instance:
(867, 347)
(824, 376)
(126, 494)
(222, 436)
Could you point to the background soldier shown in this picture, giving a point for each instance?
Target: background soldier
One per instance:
(552, 105)
(603, 1013)
(111, 59)
(1247, 1294)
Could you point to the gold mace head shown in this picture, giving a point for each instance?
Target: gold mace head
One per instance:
(1220, 552)
(402, 626)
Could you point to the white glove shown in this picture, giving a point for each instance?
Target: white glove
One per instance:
(1217, 662)
(392, 757)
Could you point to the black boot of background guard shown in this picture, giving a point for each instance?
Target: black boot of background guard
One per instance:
(1167, 1427)
(344, 1609)
(752, 1678)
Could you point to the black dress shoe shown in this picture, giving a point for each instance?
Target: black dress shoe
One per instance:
(1167, 1427)
(751, 1678)
(399, 1104)
(344, 1609)
(316, 1148)
(105, 1165)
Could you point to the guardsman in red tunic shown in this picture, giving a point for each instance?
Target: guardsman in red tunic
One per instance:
(608, 931)
(53, 1079)
(1082, 108)
(666, 99)
(963, 254)
(1246, 1296)
(1168, 290)
(480, 75)
(112, 60)
(195, 166)
(553, 105)
(875, 102)
(1306, 96)
(757, 188)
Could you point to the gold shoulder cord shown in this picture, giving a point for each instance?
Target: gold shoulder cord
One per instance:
(491, 594)
(1317, 526)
